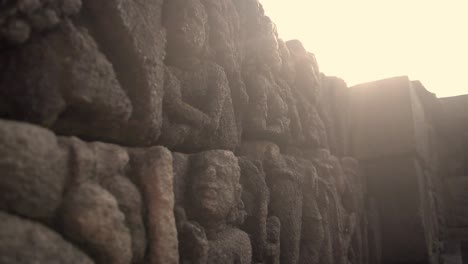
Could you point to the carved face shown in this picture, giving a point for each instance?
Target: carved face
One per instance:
(185, 22)
(215, 188)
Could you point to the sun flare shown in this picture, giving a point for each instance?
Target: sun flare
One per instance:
(366, 40)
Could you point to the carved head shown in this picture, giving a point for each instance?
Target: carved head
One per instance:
(185, 21)
(215, 192)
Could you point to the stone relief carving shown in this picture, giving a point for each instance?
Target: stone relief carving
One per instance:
(256, 168)
(208, 230)
(197, 103)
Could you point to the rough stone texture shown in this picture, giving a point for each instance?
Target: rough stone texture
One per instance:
(273, 249)
(272, 161)
(208, 233)
(106, 165)
(313, 233)
(152, 171)
(129, 201)
(180, 167)
(305, 92)
(268, 116)
(226, 39)
(33, 170)
(199, 110)
(92, 219)
(136, 39)
(23, 241)
(353, 200)
(110, 168)
(198, 107)
(256, 196)
(79, 95)
(286, 195)
(22, 18)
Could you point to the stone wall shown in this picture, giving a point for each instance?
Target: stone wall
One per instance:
(187, 131)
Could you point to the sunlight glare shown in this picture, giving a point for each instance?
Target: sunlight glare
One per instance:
(366, 40)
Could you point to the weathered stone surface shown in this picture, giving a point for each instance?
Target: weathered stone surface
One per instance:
(338, 224)
(285, 187)
(198, 109)
(353, 200)
(137, 39)
(33, 170)
(256, 196)
(312, 233)
(307, 72)
(62, 80)
(106, 165)
(311, 130)
(130, 203)
(18, 19)
(208, 233)
(91, 218)
(223, 82)
(268, 118)
(229, 246)
(273, 249)
(23, 241)
(181, 168)
(214, 201)
(152, 171)
(184, 45)
(268, 101)
(226, 43)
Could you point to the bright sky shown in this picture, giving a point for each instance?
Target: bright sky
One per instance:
(366, 40)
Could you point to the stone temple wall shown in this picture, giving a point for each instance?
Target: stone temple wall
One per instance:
(187, 131)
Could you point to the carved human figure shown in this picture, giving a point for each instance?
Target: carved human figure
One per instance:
(268, 106)
(186, 23)
(197, 105)
(214, 208)
(285, 187)
(305, 92)
(225, 45)
(255, 196)
(268, 111)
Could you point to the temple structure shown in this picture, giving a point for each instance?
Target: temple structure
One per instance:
(188, 131)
